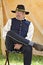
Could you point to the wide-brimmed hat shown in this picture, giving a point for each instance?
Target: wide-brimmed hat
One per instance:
(20, 8)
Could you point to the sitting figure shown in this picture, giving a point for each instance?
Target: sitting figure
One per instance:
(18, 33)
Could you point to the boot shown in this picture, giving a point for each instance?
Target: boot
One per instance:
(38, 47)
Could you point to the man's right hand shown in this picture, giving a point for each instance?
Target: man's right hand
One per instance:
(17, 46)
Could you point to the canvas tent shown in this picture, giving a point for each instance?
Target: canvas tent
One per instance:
(35, 7)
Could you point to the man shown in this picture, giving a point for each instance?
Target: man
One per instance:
(19, 29)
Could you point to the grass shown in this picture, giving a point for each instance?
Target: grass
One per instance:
(17, 59)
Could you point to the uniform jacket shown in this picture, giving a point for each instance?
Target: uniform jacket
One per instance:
(24, 28)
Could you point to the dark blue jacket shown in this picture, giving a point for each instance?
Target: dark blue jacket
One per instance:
(20, 27)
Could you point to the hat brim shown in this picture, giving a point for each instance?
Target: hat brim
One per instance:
(25, 12)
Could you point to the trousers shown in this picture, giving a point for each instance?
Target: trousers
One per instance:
(25, 49)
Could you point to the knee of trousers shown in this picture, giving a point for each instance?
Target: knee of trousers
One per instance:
(9, 44)
(28, 49)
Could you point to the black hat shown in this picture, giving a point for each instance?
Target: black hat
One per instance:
(20, 8)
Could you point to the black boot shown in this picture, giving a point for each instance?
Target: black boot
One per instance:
(38, 47)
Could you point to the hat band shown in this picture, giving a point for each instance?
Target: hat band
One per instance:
(20, 10)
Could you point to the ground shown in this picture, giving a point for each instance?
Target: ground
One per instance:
(17, 59)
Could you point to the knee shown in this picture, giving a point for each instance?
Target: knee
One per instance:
(28, 49)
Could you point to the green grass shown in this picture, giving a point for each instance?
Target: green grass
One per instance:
(17, 59)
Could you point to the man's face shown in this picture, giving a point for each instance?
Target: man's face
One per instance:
(20, 15)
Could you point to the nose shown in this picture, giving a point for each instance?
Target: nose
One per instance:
(19, 12)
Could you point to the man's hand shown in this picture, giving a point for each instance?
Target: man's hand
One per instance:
(17, 46)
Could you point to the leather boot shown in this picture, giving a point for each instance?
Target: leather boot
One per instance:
(38, 47)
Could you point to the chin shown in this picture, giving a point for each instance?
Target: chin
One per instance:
(19, 18)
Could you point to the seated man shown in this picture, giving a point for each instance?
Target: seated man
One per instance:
(18, 33)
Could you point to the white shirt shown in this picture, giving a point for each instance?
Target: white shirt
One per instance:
(8, 26)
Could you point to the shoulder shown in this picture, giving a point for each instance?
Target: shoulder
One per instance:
(13, 18)
(27, 22)
(8, 21)
(31, 26)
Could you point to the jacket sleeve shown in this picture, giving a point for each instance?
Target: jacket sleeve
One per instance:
(30, 32)
(6, 28)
